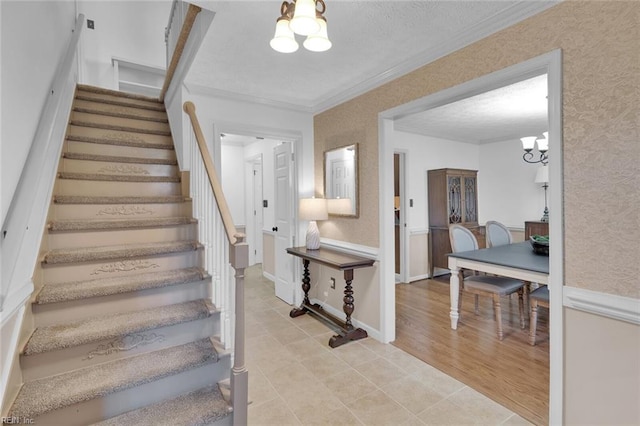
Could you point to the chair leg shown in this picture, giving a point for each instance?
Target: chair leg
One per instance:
(498, 311)
(521, 306)
(533, 322)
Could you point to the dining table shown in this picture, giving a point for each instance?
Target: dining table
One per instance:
(516, 260)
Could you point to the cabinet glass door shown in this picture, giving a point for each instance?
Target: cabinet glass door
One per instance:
(455, 199)
(470, 200)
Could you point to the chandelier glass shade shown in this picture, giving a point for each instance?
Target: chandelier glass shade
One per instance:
(303, 17)
(529, 142)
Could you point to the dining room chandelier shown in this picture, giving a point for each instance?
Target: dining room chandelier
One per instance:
(303, 17)
(529, 142)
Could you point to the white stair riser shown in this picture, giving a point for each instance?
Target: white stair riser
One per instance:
(57, 313)
(94, 132)
(105, 120)
(130, 399)
(108, 237)
(117, 168)
(119, 211)
(106, 97)
(99, 107)
(67, 272)
(114, 189)
(63, 360)
(119, 150)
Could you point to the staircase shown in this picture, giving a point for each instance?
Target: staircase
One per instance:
(123, 330)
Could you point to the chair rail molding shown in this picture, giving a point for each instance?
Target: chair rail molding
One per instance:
(350, 248)
(603, 304)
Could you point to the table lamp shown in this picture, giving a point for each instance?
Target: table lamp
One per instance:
(313, 209)
(542, 176)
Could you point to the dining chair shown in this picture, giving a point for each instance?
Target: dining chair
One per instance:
(538, 297)
(462, 239)
(497, 234)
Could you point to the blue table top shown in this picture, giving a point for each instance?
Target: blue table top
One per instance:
(518, 255)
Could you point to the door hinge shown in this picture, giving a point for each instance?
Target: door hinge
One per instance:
(293, 158)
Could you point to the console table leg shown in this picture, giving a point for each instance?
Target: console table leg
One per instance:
(306, 286)
(347, 307)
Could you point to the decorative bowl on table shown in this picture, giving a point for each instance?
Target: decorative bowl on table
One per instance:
(540, 244)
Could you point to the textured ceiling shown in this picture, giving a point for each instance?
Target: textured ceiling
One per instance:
(510, 112)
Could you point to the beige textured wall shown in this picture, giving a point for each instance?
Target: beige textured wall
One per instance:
(602, 381)
(601, 72)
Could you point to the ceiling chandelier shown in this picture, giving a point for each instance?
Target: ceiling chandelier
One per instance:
(305, 18)
(529, 142)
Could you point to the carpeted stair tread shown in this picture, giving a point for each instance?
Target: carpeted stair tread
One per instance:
(134, 143)
(82, 199)
(89, 254)
(120, 114)
(44, 395)
(107, 327)
(114, 159)
(76, 290)
(120, 101)
(117, 178)
(132, 129)
(93, 224)
(119, 94)
(198, 408)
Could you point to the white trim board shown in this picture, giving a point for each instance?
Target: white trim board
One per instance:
(350, 248)
(603, 304)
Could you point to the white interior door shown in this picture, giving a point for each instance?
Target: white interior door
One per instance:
(284, 218)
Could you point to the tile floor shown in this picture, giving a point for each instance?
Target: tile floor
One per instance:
(295, 378)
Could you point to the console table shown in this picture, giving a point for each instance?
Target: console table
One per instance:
(340, 261)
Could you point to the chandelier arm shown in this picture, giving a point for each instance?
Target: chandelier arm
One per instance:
(287, 9)
(528, 157)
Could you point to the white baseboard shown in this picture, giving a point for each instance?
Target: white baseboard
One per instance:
(268, 276)
(372, 332)
(419, 277)
(607, 305)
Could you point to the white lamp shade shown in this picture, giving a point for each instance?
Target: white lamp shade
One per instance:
(339, 206)
(543, 144)
(304, 18)
(528, 142)
(283, 41)
(542, 175)
(313, 209)
(318, 42)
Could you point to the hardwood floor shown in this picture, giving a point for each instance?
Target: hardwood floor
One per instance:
(511, 372)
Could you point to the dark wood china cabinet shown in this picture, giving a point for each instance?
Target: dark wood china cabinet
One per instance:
(453, 198)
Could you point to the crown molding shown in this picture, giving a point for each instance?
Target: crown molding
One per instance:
(241, 97)
(504, 19)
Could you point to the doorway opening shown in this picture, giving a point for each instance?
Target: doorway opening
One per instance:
(549, 64)
(260, 205)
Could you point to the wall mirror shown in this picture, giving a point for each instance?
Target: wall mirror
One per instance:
(341, 181)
